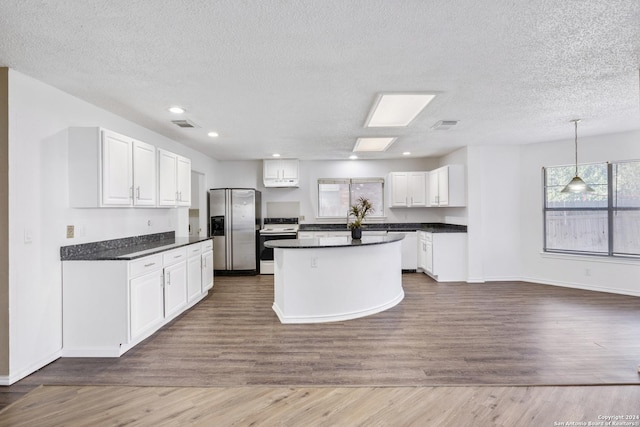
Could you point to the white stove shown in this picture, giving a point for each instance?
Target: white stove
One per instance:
(275, 229)
(280, 229)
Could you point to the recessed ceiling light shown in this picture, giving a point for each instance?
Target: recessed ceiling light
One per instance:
(275, 155)
(406, 153)
(213, 134)
(373, 144)
(353, 157)
(395, 110)
(177, 110)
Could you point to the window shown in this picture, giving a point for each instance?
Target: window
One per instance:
(335, 195)
(605, 222)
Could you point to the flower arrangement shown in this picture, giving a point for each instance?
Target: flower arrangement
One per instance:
(359, 211)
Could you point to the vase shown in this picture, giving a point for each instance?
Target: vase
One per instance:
(356, 233)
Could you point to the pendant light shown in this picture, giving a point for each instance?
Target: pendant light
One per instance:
(576, 185)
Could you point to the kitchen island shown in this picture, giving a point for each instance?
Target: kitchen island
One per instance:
(336, 278)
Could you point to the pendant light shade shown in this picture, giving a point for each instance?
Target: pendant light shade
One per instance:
(577, 185)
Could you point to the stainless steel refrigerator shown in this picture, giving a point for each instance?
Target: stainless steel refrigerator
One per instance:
(235, 218)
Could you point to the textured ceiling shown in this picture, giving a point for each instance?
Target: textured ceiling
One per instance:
(299, 77)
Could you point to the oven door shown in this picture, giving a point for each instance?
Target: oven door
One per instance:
(266, 254)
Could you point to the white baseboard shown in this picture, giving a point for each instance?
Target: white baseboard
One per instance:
(582, 286)
(6, 380)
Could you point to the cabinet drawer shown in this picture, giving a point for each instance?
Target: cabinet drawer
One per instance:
(176, 255)
(193, 250)
(144, 265)
(207, 245)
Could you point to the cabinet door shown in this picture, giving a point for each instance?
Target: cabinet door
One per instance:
(433, 188)
(146, 302)
(443, 186)
(422, 251)
(289, 169)
(183, 186)
(429, 257)
(144, 174)
(399, 183)
(417, 193)
(194, 277)
(271, 169)
(117, 176)
(207, 271)
(175, 288)
(167, 178)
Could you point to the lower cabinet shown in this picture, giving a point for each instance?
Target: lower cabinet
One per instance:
(175, 288)
(409, 250)
(147, 306)
(194, 272)
(207, 265)
(443, 256)
(110, 306)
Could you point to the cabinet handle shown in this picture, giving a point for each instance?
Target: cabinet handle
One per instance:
(177, 197)
(177, 256)
(150, 264)
(168, 278)
(138, 193)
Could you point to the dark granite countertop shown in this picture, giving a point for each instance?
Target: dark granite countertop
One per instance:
(433, 227)
(127, 248)
(332, 242)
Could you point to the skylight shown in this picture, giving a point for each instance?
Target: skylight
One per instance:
(373, 144)
(397, 110)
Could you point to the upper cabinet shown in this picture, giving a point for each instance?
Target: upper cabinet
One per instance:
(280, 173)
(108, 169)
(408, 189)
(174, 179)
(447, 186)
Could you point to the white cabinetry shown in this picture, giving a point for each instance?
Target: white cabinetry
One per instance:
(447, 186)
(194, 272)
(409, 250)
(144, 174)
(280, 173)
(175, 281)
(408, 189)
(174, 179)
(108, 169)
(207, 265)
(110, 306)
(146, 293)
(443, 256)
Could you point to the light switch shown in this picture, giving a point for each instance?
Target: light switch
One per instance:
(28, 235)
(70, 231)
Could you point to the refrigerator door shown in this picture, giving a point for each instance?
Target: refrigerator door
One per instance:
(219, 228)
(243, 235)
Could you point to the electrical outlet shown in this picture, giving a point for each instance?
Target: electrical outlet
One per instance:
(314, 262)
(301, 218)
(587, 272)
(70, 230)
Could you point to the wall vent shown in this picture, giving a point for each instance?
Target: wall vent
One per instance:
(185, 123)
(444, 125)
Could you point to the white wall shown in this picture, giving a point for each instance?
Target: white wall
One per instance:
(39, 116)
(605, 274)
(249, 174)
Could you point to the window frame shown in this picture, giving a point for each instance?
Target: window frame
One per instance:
(350, 182)
(610, 209)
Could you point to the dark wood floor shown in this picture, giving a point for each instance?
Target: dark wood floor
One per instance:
(441, 334)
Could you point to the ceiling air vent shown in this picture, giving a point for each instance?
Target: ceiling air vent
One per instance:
(444, 125)
(185, 123)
